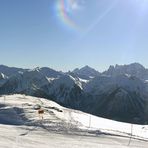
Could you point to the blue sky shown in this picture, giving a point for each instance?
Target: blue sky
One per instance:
(65, 34)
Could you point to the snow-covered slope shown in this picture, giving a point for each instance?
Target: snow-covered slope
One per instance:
(2, 76)
(34, 130)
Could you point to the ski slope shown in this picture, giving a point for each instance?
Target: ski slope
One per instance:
(22, 127)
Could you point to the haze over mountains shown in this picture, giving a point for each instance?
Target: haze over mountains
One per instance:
(119, 93)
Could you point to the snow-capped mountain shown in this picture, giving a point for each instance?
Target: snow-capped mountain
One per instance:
(120, 94)
(134, 69)
(102, 84)
(120, 98)
(86, 72)
(65, 90)
(26, 82)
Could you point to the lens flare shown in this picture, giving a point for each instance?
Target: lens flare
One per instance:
(64, 10)
(73, 14)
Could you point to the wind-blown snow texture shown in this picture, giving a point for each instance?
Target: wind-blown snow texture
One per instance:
(120, 93)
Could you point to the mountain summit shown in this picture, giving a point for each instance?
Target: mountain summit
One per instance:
(86, 71)
(134, 69)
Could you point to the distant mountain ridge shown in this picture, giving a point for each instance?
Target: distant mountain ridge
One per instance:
(120, 93)
(9, 71)
(134, 69)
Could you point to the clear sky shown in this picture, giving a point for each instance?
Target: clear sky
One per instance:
(65, 34)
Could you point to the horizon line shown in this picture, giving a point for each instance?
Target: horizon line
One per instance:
(59, 70)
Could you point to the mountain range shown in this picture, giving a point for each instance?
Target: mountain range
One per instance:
(119, 93)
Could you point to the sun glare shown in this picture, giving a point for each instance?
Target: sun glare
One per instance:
(142, 3)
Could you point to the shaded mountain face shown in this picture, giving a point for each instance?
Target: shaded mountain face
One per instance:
(65, 90)
(3, 79)
(50, 73)
(86, 72)
(102, 84)
(134, 69)
(122, 97)
(10, 71)
(122, 105)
